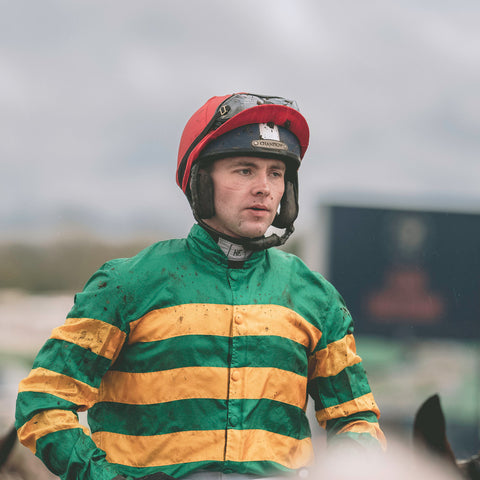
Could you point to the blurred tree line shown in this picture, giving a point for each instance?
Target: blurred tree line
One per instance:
(58, 266)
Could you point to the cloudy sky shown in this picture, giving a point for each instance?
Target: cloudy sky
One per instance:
(94, 96)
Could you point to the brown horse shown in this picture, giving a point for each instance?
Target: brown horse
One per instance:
(429, 430)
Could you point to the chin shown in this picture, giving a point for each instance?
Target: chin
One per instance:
(254, 232)
(247, 229)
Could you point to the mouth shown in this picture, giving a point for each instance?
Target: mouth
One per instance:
(258, 211)
(258, 208)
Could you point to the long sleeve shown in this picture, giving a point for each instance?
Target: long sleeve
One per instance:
(344, 403)
(65, 379)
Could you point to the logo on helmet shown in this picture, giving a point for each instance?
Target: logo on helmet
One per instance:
(271, 144)
(269, 137)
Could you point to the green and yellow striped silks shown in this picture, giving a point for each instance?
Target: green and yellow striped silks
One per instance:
(184, 363)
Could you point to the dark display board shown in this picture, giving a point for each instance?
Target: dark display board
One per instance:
(407, 273)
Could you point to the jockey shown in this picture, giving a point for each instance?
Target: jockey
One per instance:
(196, 357)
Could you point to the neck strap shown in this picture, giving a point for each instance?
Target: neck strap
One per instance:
(249, 244)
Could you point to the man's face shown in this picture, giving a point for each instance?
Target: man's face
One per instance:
(248, 191)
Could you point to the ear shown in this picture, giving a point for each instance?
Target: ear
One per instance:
(201, 186)
(429, 428)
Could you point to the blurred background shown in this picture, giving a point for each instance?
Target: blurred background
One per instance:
(93, 100)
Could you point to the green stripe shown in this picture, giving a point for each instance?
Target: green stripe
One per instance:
(270, 351)
(213, 351)
(175, 272)
(276, 417)
(350, 383)
(260, 468)
(69, 359)
(177, 352)
(168, 417)
(198, 414)
(31, 403)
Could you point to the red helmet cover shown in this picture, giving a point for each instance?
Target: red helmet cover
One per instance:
(200, 120)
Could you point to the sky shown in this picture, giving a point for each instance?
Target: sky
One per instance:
(94, 96)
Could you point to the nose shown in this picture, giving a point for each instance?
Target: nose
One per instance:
(261, 185)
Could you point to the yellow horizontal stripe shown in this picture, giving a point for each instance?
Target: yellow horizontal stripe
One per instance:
(195, 446)
(275, 320)
(258, 445)
(43, 380)
(165, 386)
(334, 358)
(364, 403)
(203, 382)
(223, 320)
(167, 449)
(190, 319)
(46, 422)
(271, 383)
(362, 426)
(99, 337)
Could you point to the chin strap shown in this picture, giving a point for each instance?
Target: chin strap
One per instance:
(254, 244)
